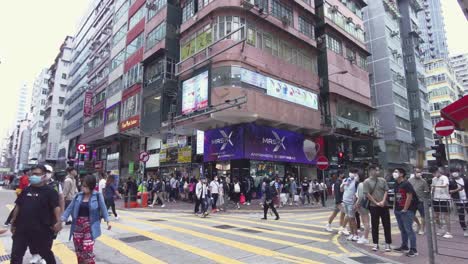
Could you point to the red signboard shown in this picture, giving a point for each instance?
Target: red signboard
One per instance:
(130, 123)
(82, 148)
(444, 128)
(322, 163)
(88, 104)
(99, 165)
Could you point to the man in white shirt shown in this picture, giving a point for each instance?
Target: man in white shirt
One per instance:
(102, 181)
(441, 200)
(214, 190)
(459, 190)
(201, 191)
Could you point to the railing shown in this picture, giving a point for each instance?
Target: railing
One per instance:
(341, 122)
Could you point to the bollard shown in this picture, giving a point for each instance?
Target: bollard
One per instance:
(144, 199)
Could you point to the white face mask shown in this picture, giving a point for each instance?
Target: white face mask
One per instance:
(396, 175)
(456, 174)
(352, 176)
(418, 175)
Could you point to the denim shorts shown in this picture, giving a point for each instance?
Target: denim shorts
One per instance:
(349, 210)
(420, 208)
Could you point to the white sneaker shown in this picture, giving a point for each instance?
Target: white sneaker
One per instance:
(343, 231)
(35, 258)
(448, 235)
(375, 247)
(363, 241)
(42, 261)
(388, 248)
(355, 238)
(117, 218)
(162, 206)
(421, 232)
(465, 234)
(248, 203)
(151, 205)
(328, 228)
(350, 237)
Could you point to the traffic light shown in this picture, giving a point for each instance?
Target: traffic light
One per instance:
(341, 158)
(439, 154)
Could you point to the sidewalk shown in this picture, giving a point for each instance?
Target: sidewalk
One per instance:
(453, 250)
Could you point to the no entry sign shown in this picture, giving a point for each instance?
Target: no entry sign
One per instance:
(444, 128)
(144, 156)
(322, 163)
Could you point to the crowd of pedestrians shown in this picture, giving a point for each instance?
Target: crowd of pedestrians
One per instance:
(364, 202)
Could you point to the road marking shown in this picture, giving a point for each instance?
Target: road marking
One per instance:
(174, 243)
(64, 254)
(133, 253)
(231, 243)
(10, 207)
(277, 226)
(337, 243)
(237, 233)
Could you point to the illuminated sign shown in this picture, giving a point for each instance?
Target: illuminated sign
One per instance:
(195, 93)
(130, 123)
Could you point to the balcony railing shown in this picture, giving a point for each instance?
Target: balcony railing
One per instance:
(341, 122)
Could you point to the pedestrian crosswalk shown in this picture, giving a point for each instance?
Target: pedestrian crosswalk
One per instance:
(149, 237)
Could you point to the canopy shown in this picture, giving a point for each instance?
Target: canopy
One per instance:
(457, 112)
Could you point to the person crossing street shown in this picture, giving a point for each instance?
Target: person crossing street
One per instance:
(270, 194)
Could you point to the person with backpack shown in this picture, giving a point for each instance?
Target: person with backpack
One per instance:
(270, 193)
(236, 192)
(406, 204)
(86, 210)
(459, 190)
(157, 189)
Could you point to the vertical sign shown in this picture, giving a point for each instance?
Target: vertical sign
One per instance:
(131, 167)
(88, 104)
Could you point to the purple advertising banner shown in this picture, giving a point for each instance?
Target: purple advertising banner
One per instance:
(224, 144)
(266, 143)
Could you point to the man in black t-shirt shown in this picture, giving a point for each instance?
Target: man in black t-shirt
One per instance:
(305, 191)
(337, 180)
(36, 218)
(406, 203)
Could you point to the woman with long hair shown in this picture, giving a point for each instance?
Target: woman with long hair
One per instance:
(110, 191)
(86, 210)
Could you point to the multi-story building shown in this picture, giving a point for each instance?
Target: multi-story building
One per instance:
(38, 105)
(22, 104)
(459, 64)
(444, 89)
(23, 141)
(413, 59)
(389, 81)
(433, 29)
(464, 7)
(55, 104)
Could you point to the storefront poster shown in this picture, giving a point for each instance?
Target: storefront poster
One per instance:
(253, 78)
(291, 93)
(266, 143)
(195, 93)
(185, 155)
(224, 144)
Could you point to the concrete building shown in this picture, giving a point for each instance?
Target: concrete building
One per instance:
(22, 105)
(389, 85)
(55, 104)
(444, 89)
(459, 64)
(23, 143)
(38, 105)
(464, 7)
(432, 26)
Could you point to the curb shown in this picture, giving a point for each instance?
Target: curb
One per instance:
(365, 252)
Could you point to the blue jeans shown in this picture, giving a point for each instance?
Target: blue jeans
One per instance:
(405, 224)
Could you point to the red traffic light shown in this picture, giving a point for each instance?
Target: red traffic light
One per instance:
(340, 155)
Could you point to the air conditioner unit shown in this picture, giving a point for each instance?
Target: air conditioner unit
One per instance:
(349, 20)
(286, 21)
(394, 33)
(334, 9)
(351, 58)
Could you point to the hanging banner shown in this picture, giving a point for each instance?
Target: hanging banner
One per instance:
(88, 104)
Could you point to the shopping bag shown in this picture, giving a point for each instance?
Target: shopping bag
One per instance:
(296, 198)
(242, 198)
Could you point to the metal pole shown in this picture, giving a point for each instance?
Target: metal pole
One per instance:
(429, 228)
(448, 152)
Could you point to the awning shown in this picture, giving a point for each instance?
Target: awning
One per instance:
(457, 112)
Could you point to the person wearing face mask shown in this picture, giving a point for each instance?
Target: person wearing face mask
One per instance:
(214, 190)
(86, 210)
(348, 187)
(441, 201)
(376, 190)
(201, 191)
(406, 202)
(69, 187)
(459, 191)
(40, 203)
(421, 187)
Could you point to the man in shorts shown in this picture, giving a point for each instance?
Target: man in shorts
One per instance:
(441, 200)
(337, 180)
(421, 187)
(349, 198)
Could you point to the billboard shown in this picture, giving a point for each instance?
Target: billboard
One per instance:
(291, 93)
(88, 104)
(224, 144)
(195, 93)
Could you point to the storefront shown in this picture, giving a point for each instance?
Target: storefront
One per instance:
(260, 151)
(176, 157)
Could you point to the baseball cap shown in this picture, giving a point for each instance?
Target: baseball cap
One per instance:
(49, 168)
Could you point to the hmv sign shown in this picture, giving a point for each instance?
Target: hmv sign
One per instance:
(251, 141)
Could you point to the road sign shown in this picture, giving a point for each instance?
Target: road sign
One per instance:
(144, 156)
(322, 163)
(81, 148)
(444, 128)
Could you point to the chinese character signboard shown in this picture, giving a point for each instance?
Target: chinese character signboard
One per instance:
(88, 104)
(130, 123)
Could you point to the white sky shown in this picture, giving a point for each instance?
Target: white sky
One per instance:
(31, 32)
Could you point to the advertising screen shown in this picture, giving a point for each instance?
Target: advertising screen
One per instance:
(195, 93)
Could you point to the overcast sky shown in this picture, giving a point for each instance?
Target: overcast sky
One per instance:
(32, 30)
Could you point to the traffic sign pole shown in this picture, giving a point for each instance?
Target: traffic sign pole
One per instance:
(447, 151)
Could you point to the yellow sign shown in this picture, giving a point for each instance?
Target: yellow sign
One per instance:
(184, 155)
(162, 155)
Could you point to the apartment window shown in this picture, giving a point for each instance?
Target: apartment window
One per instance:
(224, 25)
(136, 44)
(401, 101)
(45, 91)
(197, 42)
(188, 10)
(118, 59)
(61, 100)
(58, 125)
(99, 97)
(131, 107)
(334, 45)
(60, 112)
(119, 35)
(281, 11)
(122, 11)
(46, 81)
(64, 76)
(156, 35)
(353, 113)
(114, 87)
(157, 5)
(306, 27)
(152, 104)
(137, 17)
(133, 76)
(428, 133)
(43, 101)
(403, 124)
(362, 62)
(112, 114)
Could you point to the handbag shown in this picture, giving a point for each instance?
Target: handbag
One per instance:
(365, 202)
(242, 198)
